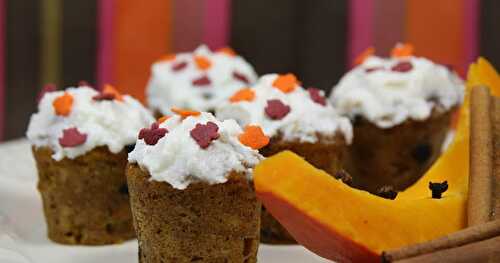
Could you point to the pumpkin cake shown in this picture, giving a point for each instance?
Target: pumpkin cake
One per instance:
(197, 80)
(295, 119)
(190, 190)
(401, 108)
(80, 139)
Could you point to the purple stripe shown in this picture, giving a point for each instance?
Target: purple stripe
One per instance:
(2, 68)
(471, 34)
(216, 20)
(360, 35)
(105, 44)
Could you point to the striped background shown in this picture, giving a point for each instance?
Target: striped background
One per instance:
(116, 41)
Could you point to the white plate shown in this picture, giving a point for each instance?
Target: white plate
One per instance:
(22, 226)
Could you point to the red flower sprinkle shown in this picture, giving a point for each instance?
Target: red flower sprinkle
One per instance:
(317, 96)
(104, 96)
(204, 134)
(46, 89)
(202, 81)
(179, 66)
(83, 83)
(276, 110)
(153, 134)
(108, 93)
(402, 67)
(370, 70)
(240, 77)
(72, 138)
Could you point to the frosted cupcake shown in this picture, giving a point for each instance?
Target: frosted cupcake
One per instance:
(200, 80)
(295, 119)
(190, 189)
(80, 139)
(401, 109)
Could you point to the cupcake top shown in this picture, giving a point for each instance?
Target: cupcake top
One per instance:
(76, 120)
(199, 80)
(283, 108)
(196, 147)
(388, 91)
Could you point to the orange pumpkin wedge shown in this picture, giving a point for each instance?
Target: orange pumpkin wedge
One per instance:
(345, 224)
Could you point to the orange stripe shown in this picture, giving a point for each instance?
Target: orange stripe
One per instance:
(436, 29)
(141, 35)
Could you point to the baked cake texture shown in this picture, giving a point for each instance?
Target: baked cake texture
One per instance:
(80, 138)
(202, 223)
(85, 200)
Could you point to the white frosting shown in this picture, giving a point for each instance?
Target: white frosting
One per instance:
(178, 160)
(387, 98)
(111, 123)
(167, 88)
(304, 122)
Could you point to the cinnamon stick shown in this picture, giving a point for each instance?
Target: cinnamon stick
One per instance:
(479, 206)
(496, 154)
(457, 239)
(483, 251)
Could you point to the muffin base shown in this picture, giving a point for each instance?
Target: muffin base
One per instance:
(202, 223)
(397, 156)
(327, 154)
(85, 200)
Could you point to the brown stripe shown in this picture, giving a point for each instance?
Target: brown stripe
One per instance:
(265, 34)
(187, 25)
(22, 55)
(322, 39)
(79, 38)
(389, 23)
(489, 24)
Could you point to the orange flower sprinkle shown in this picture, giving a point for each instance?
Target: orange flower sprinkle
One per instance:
(227, 50)
(364, 55)
(286, 83)
(202, 62)
(185, 113)
(245, 94)
(167, 58)
(63, 104)
(402, 50)
(109, 89)
(163, 119)
(253, 137)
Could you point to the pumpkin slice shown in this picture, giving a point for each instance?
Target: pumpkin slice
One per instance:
(345, 224)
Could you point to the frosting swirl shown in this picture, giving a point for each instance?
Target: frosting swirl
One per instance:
(282, 107)
(194, 148)
(388, 91)
(76, 120)
(199, 80)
